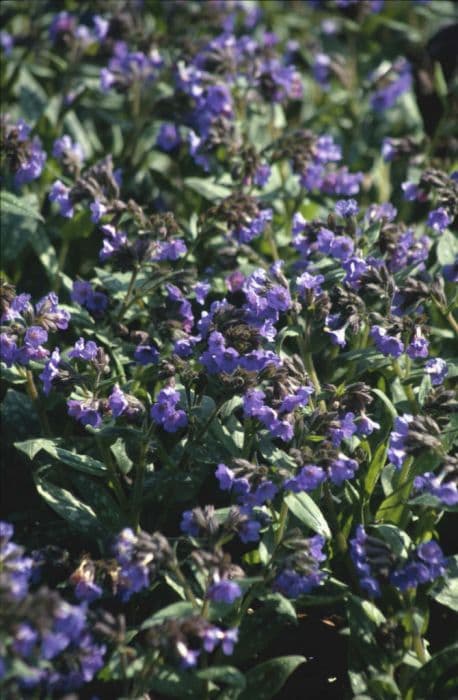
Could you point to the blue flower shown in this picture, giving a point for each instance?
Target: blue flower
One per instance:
(397, 445)
(224, 591)
(168, 137)
(386, 344)
(60, 194)
(165, 413)
(439, 219)
(437, 369)
(347, 207)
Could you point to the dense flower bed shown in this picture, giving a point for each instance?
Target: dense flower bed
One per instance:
(228, 346)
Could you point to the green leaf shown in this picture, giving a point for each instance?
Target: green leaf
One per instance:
(19, 206)
(223, 674)
(18, 416)
(447, 592)
(79, 133)
(264, 681)
(99, 498)
(123, 460)
(32, 98)
(307, 511)
(283, 606)
(398, 541)
(207, 188)
(386, 401)
(176, 610)
(65, 504)
(447, 248)
(82, 463)
(46, 253)
(176, 684)
(375, 467)
(424, 390)
(426, 682)
(427, 499)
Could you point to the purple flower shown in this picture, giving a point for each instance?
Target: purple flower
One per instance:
(146, 355)
(425, 565)
(83, 350)
(31, 167)
(189, 657)
(170, 250)
(337, 333)
(408, 250)
(65, 147)
(19, 304)
(418, 346)
(201, 290)
(386, 344)
(346, 207)
(446, 491)
(133, 578)
(438, 219)
(8, 349)
(24, 640)
(354, 268)
(437, 370)
(50, 371)
(450, 272)
(299, 398)
(84, 294)
(389, 151)
(97, 211)
(246, 231)
(380, 212)
(224, 591)
(213, 637)
(253, 402)
(345, 429)
(293, 583)
(61, 194)
(385, 97)
(63, 22)
(117, 401)
(308, 479)
(235, 281)
(358, 552)
(35, 336)
(225, 477)
(189, 524)
(87, 591)
(249, 531)
(53, 643)
(299, 224)
(165, 413)
(320, 69)
(397, 448)
(6, 42)
(366, 425)
(168, 137)
(86, 412)
(430, 552)
(341, 469)
(113, 242)
(101, 27)
(54, 317)
(307, 282)
(278, 298)
(411, 191)
(262, 175)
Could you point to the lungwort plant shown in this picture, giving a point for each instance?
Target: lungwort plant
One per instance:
(228, 345)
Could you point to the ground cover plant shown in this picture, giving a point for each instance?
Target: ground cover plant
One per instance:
(228, 346)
